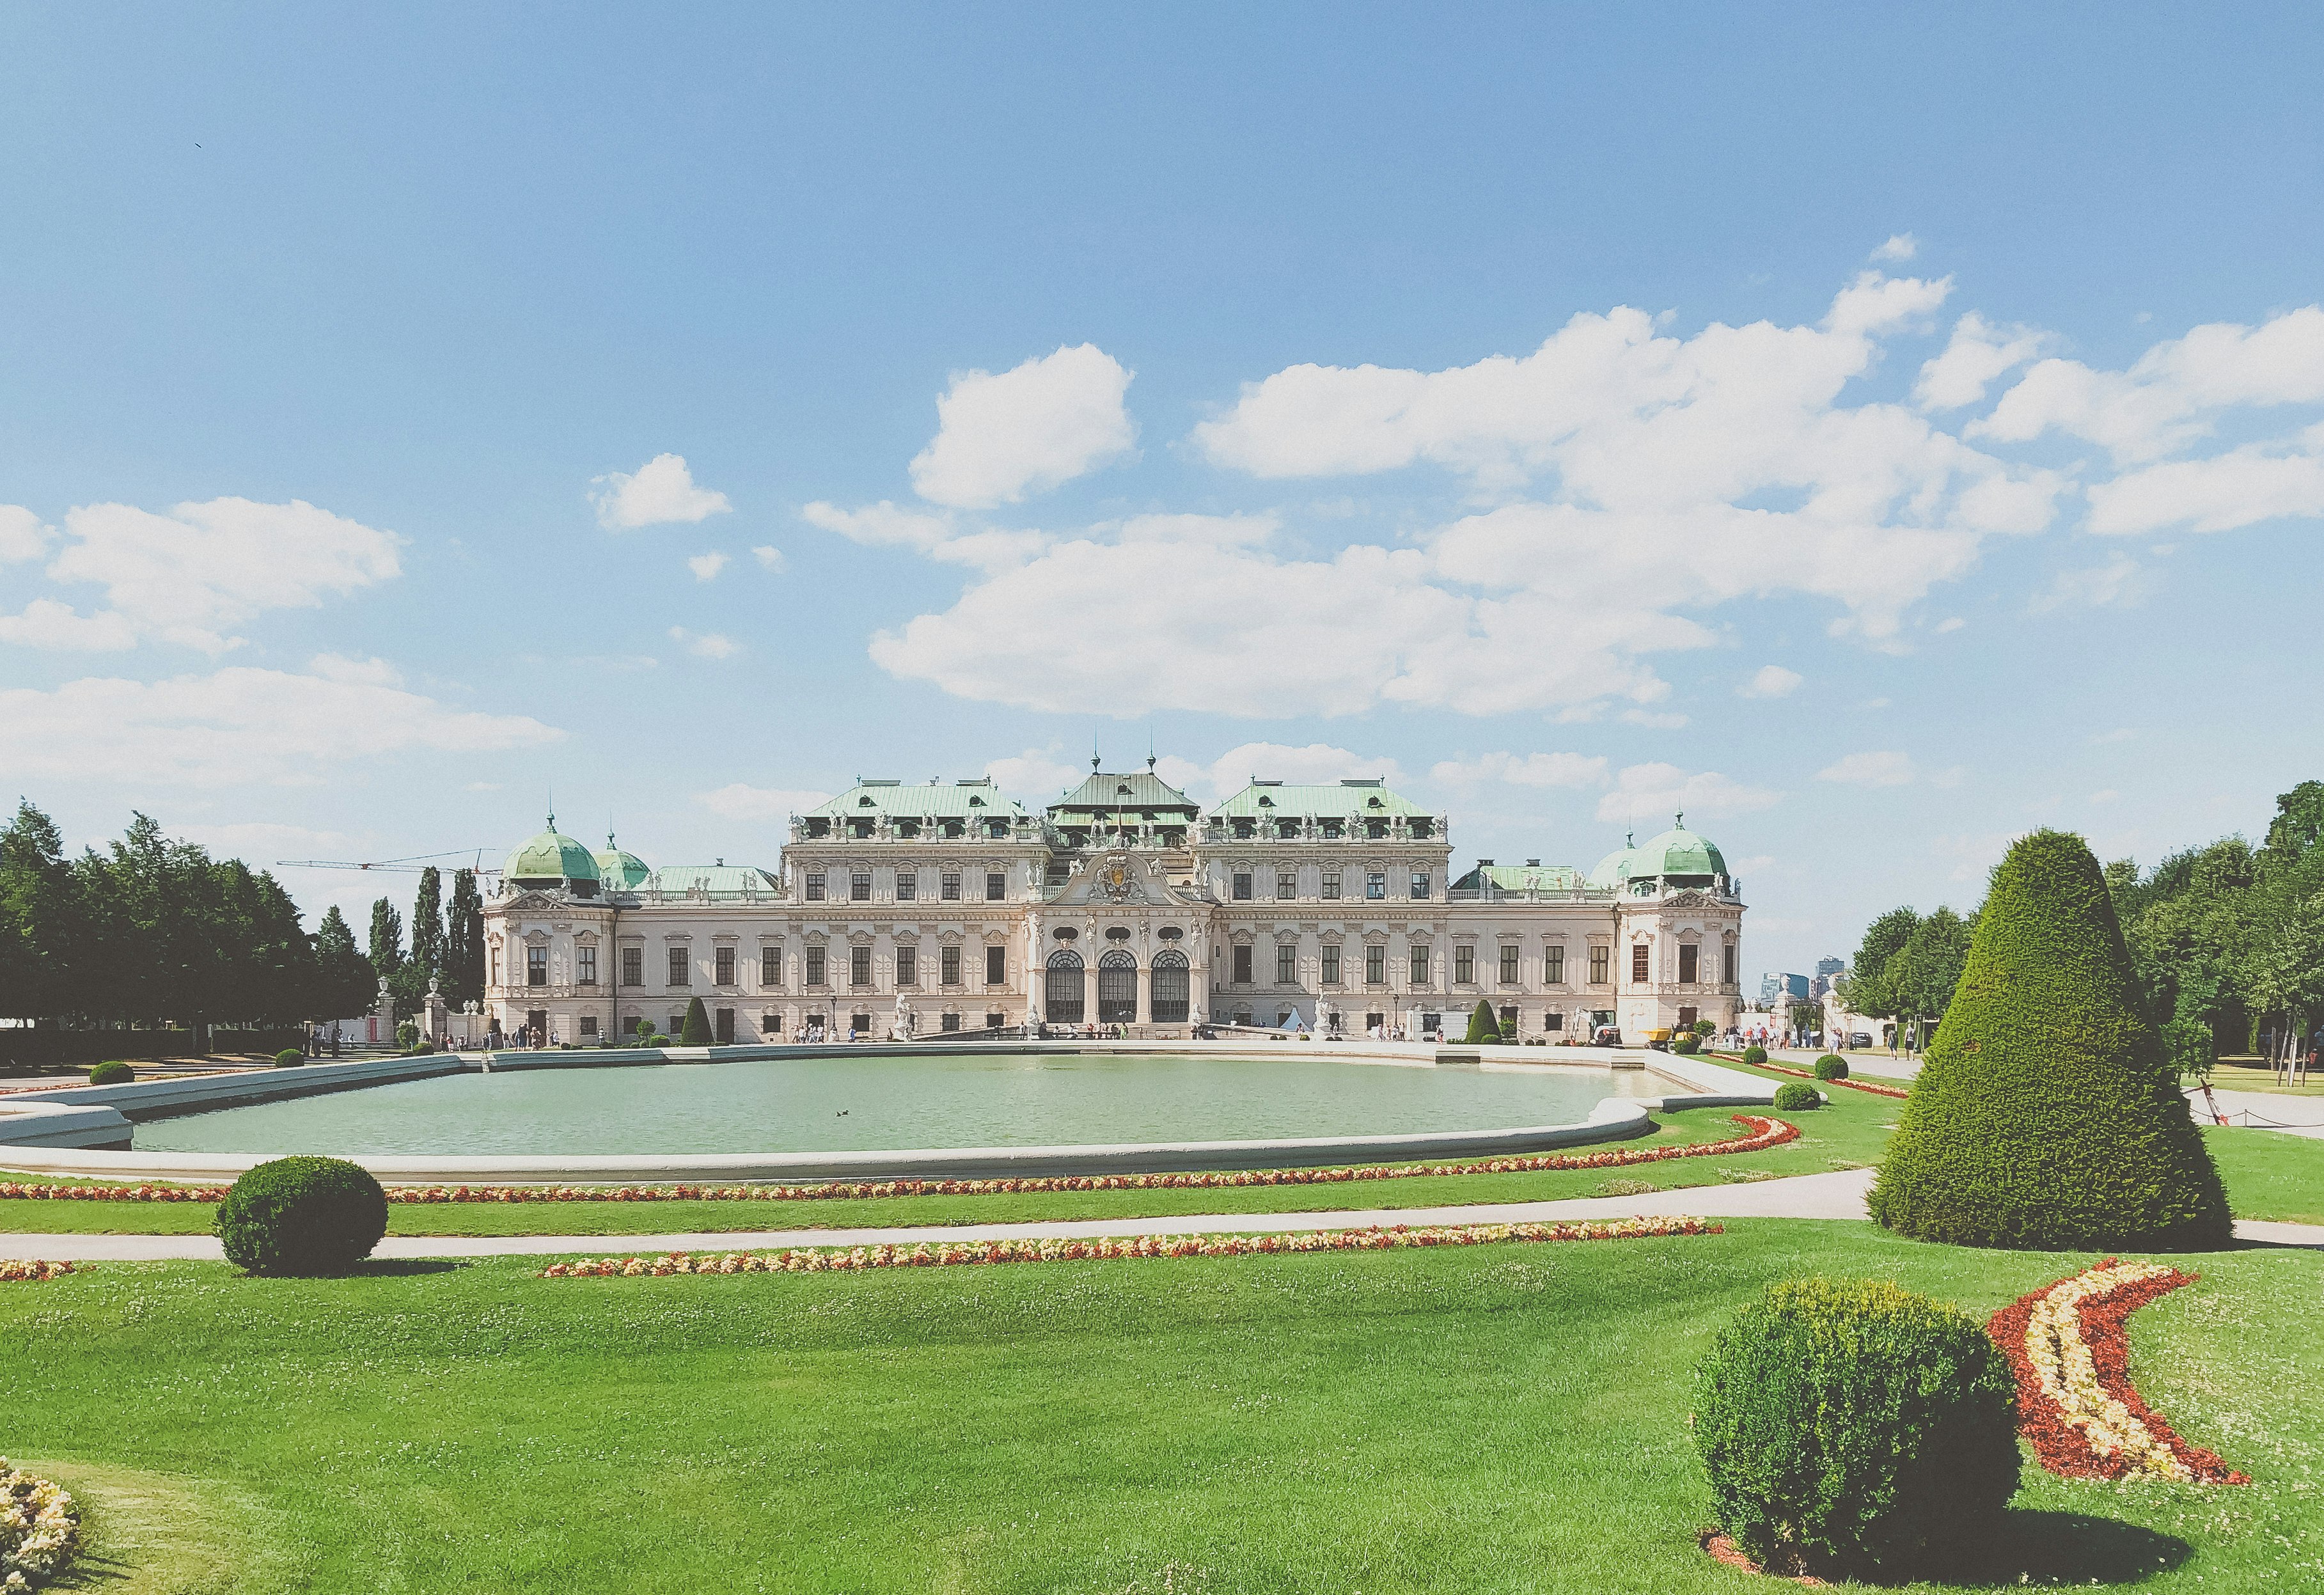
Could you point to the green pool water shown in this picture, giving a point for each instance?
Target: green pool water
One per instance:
(883, 1102)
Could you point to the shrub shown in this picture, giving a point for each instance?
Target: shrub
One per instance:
(1506, 1032)
(406, 1034)
(1796, 1096)
(1850, 1427)
(1706, 1028)
(302, 1216)
(290, 1058)
(2045, 1114)
(1484, 1029)
(1755, 1055)
(115, 1073)
(1687, 1042)
(1831, 1066)
(696, 1030)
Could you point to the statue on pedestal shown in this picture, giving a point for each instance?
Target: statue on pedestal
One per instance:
(906, 1022)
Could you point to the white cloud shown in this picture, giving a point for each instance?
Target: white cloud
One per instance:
(1870, 769)
(2121, 583)
(1574, 770)
(191, 575)
(47, 624)
(1977, 353)
(1771, 681)
(1216, 530)
(1644, 791)
(659, 493)
(240, 726)
(881, 525)
(771, 558)
(1317, 763)
(738, 801)
(706, 566)
(22, 535)
(1901, 246)
(2245, 486)
(708, 645)
(1037, 774)
(1949, 624)
(1042, 423)
(1658, 721)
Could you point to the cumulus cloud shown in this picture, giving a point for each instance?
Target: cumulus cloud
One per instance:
(706, 566)
(22, 535)
(1025, 430)
(769, 558)
(738, 801)
(2121, 583)
(1038, 774)
(1317, 763)
(1870, 769)
(1771, 681)
(1648, 791)
(2239, 488)
(1574, 770)
(657, 493)
(47, 624)
(1977, 353)
(242, 726)
(1900, 246)
(706, 645)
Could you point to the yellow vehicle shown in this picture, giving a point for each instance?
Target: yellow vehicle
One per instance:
(1659, 1040)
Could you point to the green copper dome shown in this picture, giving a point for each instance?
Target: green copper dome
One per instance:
(618, 870)
(1678, 851)
(552, 856)
(1615, 867)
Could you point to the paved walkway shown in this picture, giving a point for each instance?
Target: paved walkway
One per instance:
(1839, 1196)
(2262, 1109)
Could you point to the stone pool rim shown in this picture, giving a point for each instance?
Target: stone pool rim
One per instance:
(83, 1130)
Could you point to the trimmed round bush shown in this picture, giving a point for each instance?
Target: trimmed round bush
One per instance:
(1796, 1096)
(114, 1072)
(1831, 1066)
(1706, 1028)
(1755, 1055)
(290, 1058)
(1687, 1041)
(302, 1216)
(1852, 1428)
(2045, 1114)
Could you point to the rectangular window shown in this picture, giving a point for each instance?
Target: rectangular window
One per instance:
(1729, 976)
(589, 1025)
(859, 887)
(633, 966)
(678, 974)
(1464, 965)
(1242, 967)
(1331, 829)
(1418, 959)
(1509, 966)
(949, 892)
(1242, 886)
(585, 970)
(1639, 963)
(948, 965)
(996, 885)
(1376, 886)
(535, 966)
(1331, 886)
(677, 1024)
(1287, 963)
(907, 886)
(859, 966)
(907, 966)
(993, 1021)
(1376, 829)
(1553, 966)
(814, 971)
(771, 968)
(1599, 958)
(814, 886)
(771, 1025)
(1286, 885)
(1420, 886)
(725, 963)
(1376, 966)
(951, 1022)
(996, 966)
(1553, 1020)
(1690, 963)
(1330, 964)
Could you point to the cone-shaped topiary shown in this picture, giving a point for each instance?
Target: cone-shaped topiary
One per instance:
(695, 1030)
(1484, 1027)
(2045, 1114)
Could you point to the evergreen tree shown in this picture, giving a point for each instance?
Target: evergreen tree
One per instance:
(2046, 1114)
(345, 985)
(463, 941)
(695, 1030)
(386, 937)
(427, 923)
(1484, 1027)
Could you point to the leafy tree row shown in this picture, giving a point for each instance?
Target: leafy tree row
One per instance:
(448, 943)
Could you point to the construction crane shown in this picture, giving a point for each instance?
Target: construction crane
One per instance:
(411, 865)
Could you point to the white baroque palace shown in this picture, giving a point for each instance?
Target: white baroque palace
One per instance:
(948, 909)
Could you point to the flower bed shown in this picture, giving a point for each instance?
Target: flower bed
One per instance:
(12, 1269)
(1775, 1068)
(818, 1259)
(2075, 1403)
(1763, 1134)
(39, 1529)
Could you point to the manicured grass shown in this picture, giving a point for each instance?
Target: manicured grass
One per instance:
(1501, 1418)
(2269, 1175)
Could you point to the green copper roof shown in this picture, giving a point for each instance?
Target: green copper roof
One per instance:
(1134, 793)
(1613, 869)
(1364, 799)
(550, 856)
(717, 879)
(970, 799)
(1524, 876)
(618, 870)
(1679, 852)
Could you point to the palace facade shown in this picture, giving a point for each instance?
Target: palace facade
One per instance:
(950, 909)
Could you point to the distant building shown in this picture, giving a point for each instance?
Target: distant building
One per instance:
(1776, 990)
(1827, 971)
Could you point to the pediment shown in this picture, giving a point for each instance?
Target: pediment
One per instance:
(1121, 878)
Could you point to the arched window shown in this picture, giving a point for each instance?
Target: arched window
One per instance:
(1065, 1007)
(1117, 988)
(1171, 988)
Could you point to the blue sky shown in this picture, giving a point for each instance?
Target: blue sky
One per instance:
(1882, 434)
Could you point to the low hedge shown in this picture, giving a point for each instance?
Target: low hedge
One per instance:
(1831, 1066)
(1854, 1428)
(1688, 1043)
(1755, 1055)
(302, 1216)
(1796, 1096)
(290, 1058)
(115, 1073)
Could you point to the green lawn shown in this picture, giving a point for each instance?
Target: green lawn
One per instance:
(1501, 1418)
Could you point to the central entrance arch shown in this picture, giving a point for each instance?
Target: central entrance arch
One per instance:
(1171, 987)
(1117, 988)
(1066, 981)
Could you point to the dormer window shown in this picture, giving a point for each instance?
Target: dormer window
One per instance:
(864, 803)
(1122, 790)
(976, 802)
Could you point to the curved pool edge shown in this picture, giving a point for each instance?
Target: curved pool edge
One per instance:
(83, 1132)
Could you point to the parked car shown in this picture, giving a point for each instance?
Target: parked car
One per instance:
(1860, 1039)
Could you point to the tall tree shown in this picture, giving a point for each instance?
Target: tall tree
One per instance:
(345, 984)
(45, 933)
(386, 937)
(427, 923)
(1863, 988)
(464, 940)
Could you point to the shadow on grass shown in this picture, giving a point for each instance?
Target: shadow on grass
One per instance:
(401, 1268)
(2035, 1548)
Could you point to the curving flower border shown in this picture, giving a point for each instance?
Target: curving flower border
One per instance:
(15, 1270)
(2075, 1403)
(1763, 1134)
(40, 1528)
(1809, 1075)
(818, 1259)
